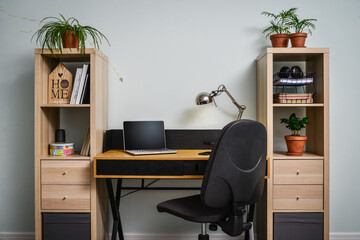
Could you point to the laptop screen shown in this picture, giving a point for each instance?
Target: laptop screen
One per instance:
(144, 135)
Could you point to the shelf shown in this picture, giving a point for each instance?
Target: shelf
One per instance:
(72, 157)
(66, 210)
(71, 54)
(298, 105)
(65, 105)
(293, 54)
(306, 155)
(298, 210)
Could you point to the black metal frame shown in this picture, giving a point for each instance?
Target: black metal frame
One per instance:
(115, 208)
(115, 201)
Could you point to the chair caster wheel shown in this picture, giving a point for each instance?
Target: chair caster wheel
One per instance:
(213, 227)
(203, 237)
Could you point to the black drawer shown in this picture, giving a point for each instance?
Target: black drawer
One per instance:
(139, 167)
(298, 226)
(150, 167)
(69, 226)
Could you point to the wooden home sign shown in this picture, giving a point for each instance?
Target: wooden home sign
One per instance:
(60, 85)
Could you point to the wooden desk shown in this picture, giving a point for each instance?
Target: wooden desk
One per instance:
(190, 161)
(185, 164)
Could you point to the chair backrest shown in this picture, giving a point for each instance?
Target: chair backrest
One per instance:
(236, 168)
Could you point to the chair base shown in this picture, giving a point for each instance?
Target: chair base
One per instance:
(203, 237)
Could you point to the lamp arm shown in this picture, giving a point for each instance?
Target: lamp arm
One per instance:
(240, 107)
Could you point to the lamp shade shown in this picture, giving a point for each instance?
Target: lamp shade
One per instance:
(203, 98)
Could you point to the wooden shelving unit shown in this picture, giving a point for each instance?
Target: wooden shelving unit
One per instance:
(65, 184)
(296, 184)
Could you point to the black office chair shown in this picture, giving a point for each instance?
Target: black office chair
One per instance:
(233, 181)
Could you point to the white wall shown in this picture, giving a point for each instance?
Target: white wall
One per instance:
(167, 51)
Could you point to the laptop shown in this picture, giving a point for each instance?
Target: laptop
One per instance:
(145, 137)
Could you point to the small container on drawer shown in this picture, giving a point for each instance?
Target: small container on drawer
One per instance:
(298, 172)
(298, 197)
(65, 172)
(62, 197)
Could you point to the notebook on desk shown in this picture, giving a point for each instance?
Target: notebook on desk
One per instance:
(145, 137)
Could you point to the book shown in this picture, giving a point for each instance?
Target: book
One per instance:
(86, 99)
(82, 82)
(86, 90)
(75, 86)
(84, 148)
(87, 153)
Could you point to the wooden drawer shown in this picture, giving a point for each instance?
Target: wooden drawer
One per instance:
(298, 197)
(298, 172)
(65, 172)
(65, 197)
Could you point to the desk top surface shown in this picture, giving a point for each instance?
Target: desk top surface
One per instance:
(182, 154)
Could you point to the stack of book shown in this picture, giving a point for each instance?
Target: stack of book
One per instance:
(293, 98)
(81, 86)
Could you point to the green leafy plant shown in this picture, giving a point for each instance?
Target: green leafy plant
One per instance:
(51, 33)
(295, 124)
(300, 26)
(279, 22)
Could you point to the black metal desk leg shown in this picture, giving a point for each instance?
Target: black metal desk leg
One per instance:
(115, 206)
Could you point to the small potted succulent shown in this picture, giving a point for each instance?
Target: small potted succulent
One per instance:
(279, 30)
(66, 33)
(295, 143)
(300, 27)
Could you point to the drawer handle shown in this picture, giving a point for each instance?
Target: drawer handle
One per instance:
(298, 172)
(298, 198)
(64, 198)
(64, 173)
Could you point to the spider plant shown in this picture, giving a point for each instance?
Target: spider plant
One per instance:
(51, 33)
(300, 26)
(279, 22)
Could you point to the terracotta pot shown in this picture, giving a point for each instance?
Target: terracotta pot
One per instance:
(295, 145)
(298, 39)
(279, 40)
(69, 40)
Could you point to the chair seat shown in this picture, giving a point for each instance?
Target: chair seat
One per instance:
(192, 209)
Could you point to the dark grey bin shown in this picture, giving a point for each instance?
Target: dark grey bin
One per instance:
(298, 226)
(69, 226)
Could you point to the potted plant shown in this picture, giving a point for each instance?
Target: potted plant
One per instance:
(295, 143)
(66, 33)
(300, 26)
(279, 29)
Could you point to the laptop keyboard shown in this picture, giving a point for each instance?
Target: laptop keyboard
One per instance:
(151, 151)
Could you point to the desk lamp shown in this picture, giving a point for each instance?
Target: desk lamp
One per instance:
(205, 98)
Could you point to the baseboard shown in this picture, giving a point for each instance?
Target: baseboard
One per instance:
(333, 236)
(345, 236)
(16, 236)
(216, 236)
(132, 236)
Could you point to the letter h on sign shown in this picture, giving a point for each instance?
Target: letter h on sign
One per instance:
(60, 85)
